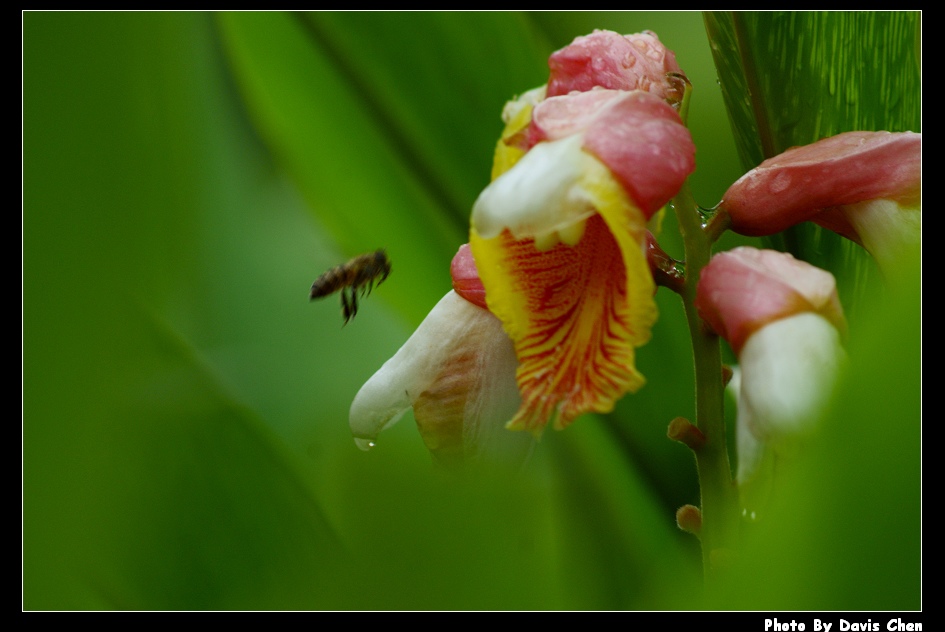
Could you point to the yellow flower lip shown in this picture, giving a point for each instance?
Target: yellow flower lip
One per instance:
(557, 292)
(559, 236)
(569, 280)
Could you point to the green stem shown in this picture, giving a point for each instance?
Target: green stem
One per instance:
(719, 498)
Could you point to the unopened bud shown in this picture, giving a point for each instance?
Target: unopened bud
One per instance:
(689, 519)
(726, 374)
(681, 429)
(863, 185)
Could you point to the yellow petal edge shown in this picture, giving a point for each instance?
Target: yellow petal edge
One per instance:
(574, 313)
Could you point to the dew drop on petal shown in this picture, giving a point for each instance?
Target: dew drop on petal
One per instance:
(780, 182)
(364, 444)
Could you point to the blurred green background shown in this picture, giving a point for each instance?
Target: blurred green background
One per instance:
(185, 439)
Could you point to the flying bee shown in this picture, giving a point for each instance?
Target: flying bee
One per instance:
(357, 277)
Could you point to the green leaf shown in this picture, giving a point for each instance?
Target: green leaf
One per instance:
(185, 439)
(843, 529)
(844, 71)
(791, 78)
(147, 482)
(379, 127)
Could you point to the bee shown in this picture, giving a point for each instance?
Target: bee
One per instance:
(356, 277)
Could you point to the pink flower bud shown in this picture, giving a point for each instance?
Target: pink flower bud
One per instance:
(820, 181)
(783, 319)
(618, 62)
(744, 289)
(465, 276)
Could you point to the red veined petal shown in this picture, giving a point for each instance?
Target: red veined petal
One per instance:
(575, 315)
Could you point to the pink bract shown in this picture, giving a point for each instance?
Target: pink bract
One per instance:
(806, 183)
(636, 134)
(609, 60)
(466, 281)
(745, 288)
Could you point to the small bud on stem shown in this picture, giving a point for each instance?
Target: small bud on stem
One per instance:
(689, 519)
(681, 429)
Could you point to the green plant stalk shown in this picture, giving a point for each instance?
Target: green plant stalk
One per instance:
(719, 500)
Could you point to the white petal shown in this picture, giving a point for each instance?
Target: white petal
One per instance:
(493, 400)
(886, 229)
(541, 195)
(750, 449)
(459, 353)
(462, 416)
(789, 368)
(385, 397)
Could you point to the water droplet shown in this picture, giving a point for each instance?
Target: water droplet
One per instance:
(781, 182)
(364, 444)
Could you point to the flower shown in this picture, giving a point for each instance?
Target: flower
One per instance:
(457, 372)
(559, 236)
(783, 319)
(865, 186)
(607, 59)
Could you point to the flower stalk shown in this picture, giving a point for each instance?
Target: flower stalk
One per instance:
(719, 498)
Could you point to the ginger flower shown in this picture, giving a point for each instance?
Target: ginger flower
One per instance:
(605, 59)
(783, 320)
(865, 186)
(559, 236)
(457, 372)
